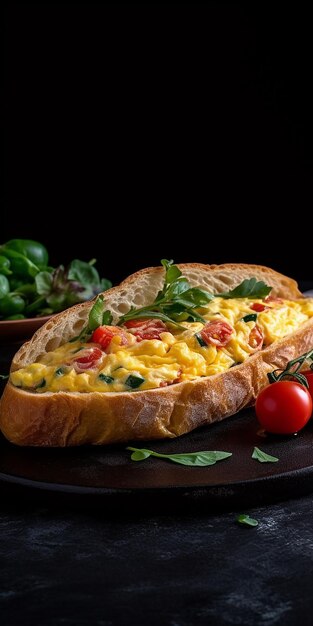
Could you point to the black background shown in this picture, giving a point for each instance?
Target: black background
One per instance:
(141, 131)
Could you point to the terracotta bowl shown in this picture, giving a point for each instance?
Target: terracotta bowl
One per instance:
(18, 331)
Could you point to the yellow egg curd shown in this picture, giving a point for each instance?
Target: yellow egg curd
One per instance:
(176, 357)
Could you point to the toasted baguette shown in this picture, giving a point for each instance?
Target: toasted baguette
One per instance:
(69, 419)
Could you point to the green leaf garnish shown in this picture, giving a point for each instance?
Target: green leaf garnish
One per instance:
(43, 282)
(62, 287)
(261, 456)
(4, 376)
(194, 459)
(177, 301)
(246, 520)
(97, 317)
(176, 298)
(96, 313)
(249, 288)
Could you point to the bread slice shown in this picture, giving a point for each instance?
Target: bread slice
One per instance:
(68, 419)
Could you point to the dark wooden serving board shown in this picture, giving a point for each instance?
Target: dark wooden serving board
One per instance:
(109, 472)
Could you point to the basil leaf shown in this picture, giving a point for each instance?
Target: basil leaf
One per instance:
(179, 286)
(96, 314)
(145, 312)
(181, 306)
(107, 318)
(261, 456)
(246, 520)
(249, 288)
(172, 272)
(198, 297)
(140, 455)
(105, 284)
(83, 273)
(177, 301)
(97, 317)
(193, 459)
(43, 282)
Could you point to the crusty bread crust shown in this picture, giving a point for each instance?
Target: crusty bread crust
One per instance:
(68, 419)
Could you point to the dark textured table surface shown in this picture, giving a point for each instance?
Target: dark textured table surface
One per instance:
(77, 563)
(68, 566)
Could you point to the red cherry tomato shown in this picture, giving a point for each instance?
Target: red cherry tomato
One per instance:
(104, 335)
(258, 307)
(309, 376)
(284, 407)
(217, 333)
(146, 328)
(87, 358)
(256, 337)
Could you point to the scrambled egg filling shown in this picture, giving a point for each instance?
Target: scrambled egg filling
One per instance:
(178, 355)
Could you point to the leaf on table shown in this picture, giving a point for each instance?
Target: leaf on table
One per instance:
(246, 520)
(193, 459)
(262, 457)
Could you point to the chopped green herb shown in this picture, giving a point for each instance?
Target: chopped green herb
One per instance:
(201, 341)
(60, 371)
(134, 381)
(246, 520)
(261, 456)
(252, 317)
(4, 376)
(105, 378)
(194, 459)
(41, 384)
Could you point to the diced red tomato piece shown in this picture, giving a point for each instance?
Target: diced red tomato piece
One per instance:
(104, 335)
(217, 333)
(256, 337)
(146, 328)
(88, 358)
(258, 307)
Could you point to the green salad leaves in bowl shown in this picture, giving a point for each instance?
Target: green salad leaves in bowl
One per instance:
(31, 290)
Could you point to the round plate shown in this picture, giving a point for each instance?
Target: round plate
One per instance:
(109, 471)
(20, 330)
